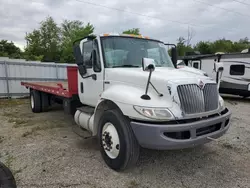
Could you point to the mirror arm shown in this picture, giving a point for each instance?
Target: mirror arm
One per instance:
(145, 96)
(160, 94)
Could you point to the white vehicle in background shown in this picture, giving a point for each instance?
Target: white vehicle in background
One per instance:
(128, 93)
(236, 75)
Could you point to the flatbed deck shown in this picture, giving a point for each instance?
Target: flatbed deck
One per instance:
(55, 88)
(60, 88)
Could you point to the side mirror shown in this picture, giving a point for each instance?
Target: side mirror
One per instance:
(148, 64)
(218, 67)
(82, 69)
(174, 56)
(79, 60)
(78, 55)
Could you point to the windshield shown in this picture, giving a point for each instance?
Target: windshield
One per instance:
(128, 52)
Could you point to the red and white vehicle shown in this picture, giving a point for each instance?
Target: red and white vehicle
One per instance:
(127, 92)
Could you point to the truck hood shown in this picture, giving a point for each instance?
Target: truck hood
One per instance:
(138, 77)
(125, 86)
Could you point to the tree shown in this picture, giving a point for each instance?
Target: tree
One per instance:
(9, 49)
(222, 45)
(53, 43)
(203, 47)
(72, 30)
(244, 41)
(134, 31)
(181, 47)
(50, 40)
(44, 41)
(241, 45)
(34, 50)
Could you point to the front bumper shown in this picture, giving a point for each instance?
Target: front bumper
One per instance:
(181, 135)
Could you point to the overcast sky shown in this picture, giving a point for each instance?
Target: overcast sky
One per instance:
(164, 19)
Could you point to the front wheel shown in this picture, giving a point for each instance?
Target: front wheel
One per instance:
(7, 179)
(119, 147)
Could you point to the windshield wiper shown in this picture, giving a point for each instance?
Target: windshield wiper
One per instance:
(125, 66)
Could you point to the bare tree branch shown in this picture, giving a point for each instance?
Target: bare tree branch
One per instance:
(191, 34)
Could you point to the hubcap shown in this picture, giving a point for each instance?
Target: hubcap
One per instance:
(110, 140)
(32, 101)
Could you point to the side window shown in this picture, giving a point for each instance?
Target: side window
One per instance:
(97, 67)
(237, 70)
(87, 50)
(196, 65)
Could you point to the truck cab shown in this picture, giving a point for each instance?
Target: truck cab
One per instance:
(133, 96)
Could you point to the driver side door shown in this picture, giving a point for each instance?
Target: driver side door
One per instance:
(91, 85)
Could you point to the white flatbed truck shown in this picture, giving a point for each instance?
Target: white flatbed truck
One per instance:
(127, 92)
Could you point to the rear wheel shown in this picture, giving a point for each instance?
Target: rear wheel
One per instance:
(70, 106)
(7, 179)
(119, 147)
(245, 96)
(45, 102)
(35, 101)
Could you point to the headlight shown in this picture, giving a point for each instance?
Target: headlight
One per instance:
(221, 102)
(205, 74)
(154, 113)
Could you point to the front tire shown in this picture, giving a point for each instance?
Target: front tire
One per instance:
(119, 147)
(7, 179)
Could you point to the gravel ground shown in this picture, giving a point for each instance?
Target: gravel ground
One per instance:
(43, 151)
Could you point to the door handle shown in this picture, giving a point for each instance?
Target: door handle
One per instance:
(94, 77)
(81, 87)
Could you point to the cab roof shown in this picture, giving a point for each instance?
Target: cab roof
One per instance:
(126, 35)
(91, 37)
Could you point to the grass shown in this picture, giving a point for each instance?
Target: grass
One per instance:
(9, 114)
(9, 163)
(9, 160)
(133, 184)
(12, 102)
(227, 145)
(1, 139)
(27, 133)
(14, 117)
(46, 126)
(19, 122)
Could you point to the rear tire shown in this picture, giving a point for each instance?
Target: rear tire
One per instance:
(245, 96)
(35, 101)
(119, 147)
(7, 179)
(70, 106)
(45, 101)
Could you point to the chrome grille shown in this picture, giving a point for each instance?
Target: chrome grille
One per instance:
(211, 97)
(194, 100)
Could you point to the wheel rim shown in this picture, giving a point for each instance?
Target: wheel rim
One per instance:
(110, 140)
(32, 101)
